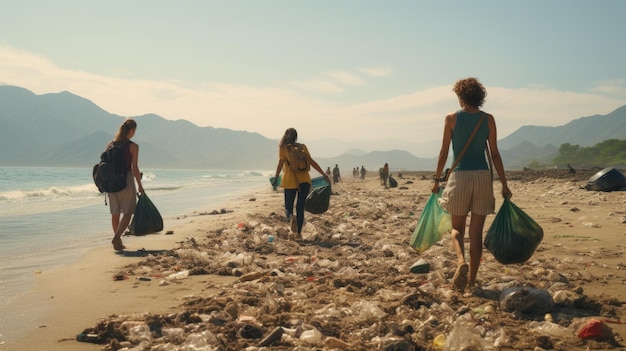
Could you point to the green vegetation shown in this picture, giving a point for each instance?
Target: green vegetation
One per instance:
(609, 153)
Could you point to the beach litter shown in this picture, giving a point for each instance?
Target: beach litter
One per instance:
(351, 284)
(607, 179)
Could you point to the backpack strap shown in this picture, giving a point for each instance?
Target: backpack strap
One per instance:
(288, 147)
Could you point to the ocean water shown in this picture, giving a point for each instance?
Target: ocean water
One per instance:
(49, 217)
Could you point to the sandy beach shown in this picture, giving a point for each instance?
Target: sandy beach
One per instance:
(233, 278)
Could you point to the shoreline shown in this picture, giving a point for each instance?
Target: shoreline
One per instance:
(68, 298)
(583, 243)
(69, 218)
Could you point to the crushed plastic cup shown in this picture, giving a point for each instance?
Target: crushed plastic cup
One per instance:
(312, 336)
(421, 266)
(439, 342)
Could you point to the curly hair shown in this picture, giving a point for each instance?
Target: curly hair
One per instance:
(470, 91)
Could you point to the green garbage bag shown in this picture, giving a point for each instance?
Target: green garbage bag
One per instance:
(147, 218)
(278, 179)
(513, 236)
(318, 200)
(432, 224)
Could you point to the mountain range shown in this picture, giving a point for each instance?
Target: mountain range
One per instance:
(66, 130)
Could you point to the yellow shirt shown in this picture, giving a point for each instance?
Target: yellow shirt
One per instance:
(291, 180)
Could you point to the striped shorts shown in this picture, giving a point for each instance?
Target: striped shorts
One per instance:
(469, 191)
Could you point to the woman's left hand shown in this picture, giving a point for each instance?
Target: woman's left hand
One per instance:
(435, 189)
(506, 192)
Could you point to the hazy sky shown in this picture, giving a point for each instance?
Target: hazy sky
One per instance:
(350, 69)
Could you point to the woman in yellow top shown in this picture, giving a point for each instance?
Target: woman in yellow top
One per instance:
(294, 182)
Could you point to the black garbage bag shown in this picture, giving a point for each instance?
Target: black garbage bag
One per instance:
(608, 179)
(513, 235)
(147, 218)
(392, 182)
(318, 200)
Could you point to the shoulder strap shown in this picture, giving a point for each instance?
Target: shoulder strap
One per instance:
(467, 143)
(488, 152)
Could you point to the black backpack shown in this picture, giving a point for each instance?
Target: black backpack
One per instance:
(110, 173)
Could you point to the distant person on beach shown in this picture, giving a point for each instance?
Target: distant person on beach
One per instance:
(363, 172)
(295, 183)
(328, 172)
(124, 201)
(336, 175)
(385, 174)
(470, 186)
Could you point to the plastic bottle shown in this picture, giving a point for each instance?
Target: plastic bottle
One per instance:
(179, 275)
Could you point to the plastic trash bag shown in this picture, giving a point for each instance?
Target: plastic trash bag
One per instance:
(595, 329)
(463, 338)
(513, 236)
(432, 224)
(608, 179)
(318, 200)
(392, 182)
(526, 299)
(147, 218)
(318, 182)
(278, 180)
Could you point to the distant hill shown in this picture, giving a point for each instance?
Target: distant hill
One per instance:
(66, 130)
(526, 152)
(584, 131)
(536, 143)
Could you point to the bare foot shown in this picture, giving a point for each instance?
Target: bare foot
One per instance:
(294, 224)
(460, 277)
(117, 244)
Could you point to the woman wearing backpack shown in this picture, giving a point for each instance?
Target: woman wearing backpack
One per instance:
(124, 201)
(295, 182)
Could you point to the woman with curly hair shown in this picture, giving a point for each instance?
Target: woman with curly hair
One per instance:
(470, 185)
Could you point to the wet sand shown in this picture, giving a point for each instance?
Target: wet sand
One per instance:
(219, 280)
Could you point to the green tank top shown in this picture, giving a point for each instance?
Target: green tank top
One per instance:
(474, 158)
